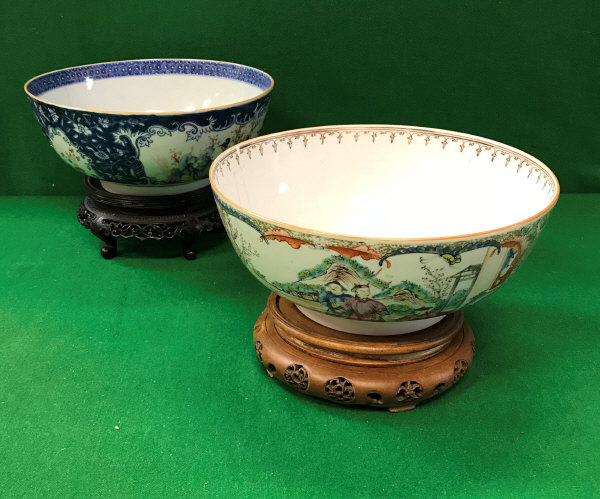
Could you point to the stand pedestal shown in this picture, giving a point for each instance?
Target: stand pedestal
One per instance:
(110, 216)
(394, 372)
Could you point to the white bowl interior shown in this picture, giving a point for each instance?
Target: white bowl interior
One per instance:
(385, 183)
(152, 93)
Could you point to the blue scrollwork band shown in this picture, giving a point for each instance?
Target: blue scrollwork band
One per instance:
(55, 79)
(110, 146)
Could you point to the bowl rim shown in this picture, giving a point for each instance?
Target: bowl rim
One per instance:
(146, 113)
(371, 128)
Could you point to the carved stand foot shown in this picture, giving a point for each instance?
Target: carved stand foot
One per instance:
(111, 216)
(110, 250)
(392, 372)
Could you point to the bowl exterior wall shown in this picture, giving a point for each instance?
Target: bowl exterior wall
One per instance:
(147, 149)
(377, 280)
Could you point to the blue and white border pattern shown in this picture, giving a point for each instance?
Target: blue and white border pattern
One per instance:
(37, 86)
(108, 146)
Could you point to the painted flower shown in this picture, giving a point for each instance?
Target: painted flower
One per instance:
(82, 129)
(101, 155)
(117, 137)
(103, 122)
(134, 122)
(144, 141)
(41, 115)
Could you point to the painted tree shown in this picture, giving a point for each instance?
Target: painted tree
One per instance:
(436, 281)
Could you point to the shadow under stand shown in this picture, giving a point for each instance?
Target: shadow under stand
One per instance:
(110, 216)
(393, 372)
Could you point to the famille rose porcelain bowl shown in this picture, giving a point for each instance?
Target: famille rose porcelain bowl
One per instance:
(155, 122)
(381, 229)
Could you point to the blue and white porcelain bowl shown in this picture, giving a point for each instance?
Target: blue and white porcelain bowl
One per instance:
(141, 124)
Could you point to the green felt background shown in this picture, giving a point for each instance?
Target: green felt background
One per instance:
(522, 72)
(161, 347)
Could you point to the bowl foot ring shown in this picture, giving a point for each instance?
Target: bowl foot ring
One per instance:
(390, 372)
(111, 216)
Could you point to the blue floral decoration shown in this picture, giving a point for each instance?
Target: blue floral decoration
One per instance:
(111, 143)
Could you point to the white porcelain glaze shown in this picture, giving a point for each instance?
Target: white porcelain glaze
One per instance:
(369, 328)
(381, 223)
(159, 190)
(375, 187)
(152, 93)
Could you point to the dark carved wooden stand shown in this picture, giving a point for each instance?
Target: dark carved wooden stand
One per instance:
(110, 216)
(393, 372)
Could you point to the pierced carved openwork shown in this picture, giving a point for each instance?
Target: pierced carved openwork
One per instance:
(375, 398)
(293, 360)
(258, 347)
(408, 391)
(85, 216)
(340, 389)
(440, 388)
(296, 375)
(109, 217)
(271, 370)
(460, 369)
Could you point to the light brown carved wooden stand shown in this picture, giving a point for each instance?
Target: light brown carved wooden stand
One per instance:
(394, 372)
